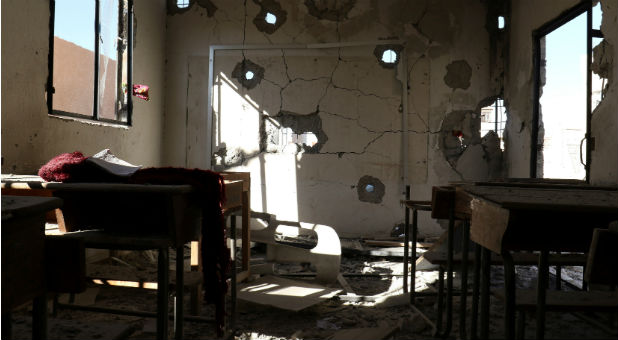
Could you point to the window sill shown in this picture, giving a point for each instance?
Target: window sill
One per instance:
(90, 121)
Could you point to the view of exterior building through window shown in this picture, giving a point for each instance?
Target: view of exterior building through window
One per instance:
(77, 61)
(493, 118)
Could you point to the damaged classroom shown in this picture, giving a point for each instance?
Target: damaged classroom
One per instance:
(309, 169)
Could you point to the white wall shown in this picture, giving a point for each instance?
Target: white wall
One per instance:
(321, 187)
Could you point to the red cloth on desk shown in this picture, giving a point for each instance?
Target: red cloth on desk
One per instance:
(72, 167)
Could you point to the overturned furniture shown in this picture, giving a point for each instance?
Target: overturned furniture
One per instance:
(325, 256)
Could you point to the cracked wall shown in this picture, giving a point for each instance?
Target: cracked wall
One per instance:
(525, 18)
(321, 120)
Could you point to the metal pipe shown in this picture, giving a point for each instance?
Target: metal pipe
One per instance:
(130, 63)
(588, 89)
(97, 35)
(402, 73)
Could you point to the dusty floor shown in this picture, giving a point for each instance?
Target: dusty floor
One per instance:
(369, 276)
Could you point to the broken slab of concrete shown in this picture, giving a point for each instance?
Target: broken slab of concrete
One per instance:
(283, 293)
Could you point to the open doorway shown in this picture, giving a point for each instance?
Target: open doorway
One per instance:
(566, 93)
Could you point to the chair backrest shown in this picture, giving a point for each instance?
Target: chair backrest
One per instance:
(602, 264)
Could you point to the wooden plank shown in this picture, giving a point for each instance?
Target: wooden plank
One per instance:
(442, 199)
(105, 187)
(488, 224)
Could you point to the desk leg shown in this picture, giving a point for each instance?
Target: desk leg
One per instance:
(485, 275)
(449, 272)
(541, 292)
(464, 279)
(233, 258)
(406, 245)
(246, 232)
(558, 275)
(509, 293)
(7, 331)
(162, 293)
(475, 292)
(440, 300)
(179, 306)
(413, 259)
(39, 317)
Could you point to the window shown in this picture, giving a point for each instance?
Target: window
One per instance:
(90, 65)
(566, 92)
(493, 118)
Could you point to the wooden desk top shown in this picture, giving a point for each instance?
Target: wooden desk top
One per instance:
(535, 219)
(547, 199)
(36, 182)
(548, 216)
(16, 206)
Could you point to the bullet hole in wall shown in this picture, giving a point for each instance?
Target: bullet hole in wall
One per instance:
(248, 73)
(270, 17)
(388, 55)
(370, 189)
(182, 6)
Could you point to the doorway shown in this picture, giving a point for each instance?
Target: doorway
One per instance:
(566, 92)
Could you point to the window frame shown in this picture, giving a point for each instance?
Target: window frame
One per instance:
(584, 6)
(97, 31)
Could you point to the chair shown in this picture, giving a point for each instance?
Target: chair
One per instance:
(601, 269)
